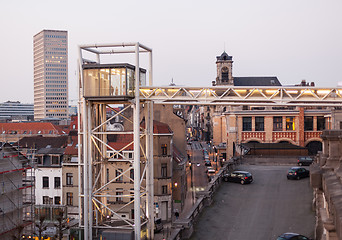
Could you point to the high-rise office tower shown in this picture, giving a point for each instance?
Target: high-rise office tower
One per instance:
(50, 60)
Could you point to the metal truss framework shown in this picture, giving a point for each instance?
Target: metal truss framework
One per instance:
(94, 211)
(232, 95)
(93, 157)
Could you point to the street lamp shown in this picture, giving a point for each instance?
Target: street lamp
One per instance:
(191, 183)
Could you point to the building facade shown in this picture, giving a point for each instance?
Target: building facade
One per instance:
(50, 59)
(238, 125)
(16, 111)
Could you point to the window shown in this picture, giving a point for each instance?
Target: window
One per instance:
(164, 189)
(57, 200)
(46, 200)
(320, 123)
(290, 125)
(57, 182)
(164, 170)
(69, 179)
(225, 75)
(259, 123)
(308, 123)
(132, 194)
(69, 198)
(164, 149)
(277, 123)
(131, 175)
(45, 182)
(119, 192)
(246, 124)
(107, 175)
(117, 174)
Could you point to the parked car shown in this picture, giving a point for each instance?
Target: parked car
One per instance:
(158, 225)
(292, 236)
(238, 177)
(211, 170)
(305, 161)
(207, 163)
(297, 173)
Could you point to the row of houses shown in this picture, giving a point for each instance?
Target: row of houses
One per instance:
(54, 150)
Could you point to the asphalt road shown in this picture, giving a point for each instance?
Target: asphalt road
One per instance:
(263, 210)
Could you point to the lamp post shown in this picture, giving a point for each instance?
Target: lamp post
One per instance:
(191, 182)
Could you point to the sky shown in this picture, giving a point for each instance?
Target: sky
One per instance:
(290, 39)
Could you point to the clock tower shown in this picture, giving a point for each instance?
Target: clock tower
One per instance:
(224, 65)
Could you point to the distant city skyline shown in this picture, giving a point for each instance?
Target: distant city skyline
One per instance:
(292, 40)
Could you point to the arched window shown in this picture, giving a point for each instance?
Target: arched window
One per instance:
(225, 75)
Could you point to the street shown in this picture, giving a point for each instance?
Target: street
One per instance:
(263, 210)
(198, 170)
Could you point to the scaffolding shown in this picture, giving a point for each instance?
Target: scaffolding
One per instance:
(17, 193)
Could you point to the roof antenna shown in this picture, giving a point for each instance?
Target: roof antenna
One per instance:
(172, 83)
(224, 46)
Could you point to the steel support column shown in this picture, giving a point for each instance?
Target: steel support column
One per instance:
(136, 137)
(149, 170)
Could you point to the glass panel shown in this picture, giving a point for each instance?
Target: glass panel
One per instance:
(277, 123)
(290, 125)
(118, 82)
(246, 124)
(308, 123)
(104, 82)
(320, 123)
(259, 123)
(91, 82)
(130, 82)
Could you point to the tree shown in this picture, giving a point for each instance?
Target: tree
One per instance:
(61, 225)
(41, 226)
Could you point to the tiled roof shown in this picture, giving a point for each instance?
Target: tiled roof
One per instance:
(178, 156)
(30, 128)
(38, 142)
(158, 127)
(72, 148)
(256, 81)
(51, 151)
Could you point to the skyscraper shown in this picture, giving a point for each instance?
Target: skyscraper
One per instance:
(50, 60)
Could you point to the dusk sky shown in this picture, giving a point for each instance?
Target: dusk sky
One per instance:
(292, 39)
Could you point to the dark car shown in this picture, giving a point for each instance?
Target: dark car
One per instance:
(297, 173)
(292, 236)
(304, 161)
(158, 225)
(238, 177)
(207, 163)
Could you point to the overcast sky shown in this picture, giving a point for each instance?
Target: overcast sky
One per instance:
(290, 39)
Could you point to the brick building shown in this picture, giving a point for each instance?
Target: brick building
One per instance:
(236, 125)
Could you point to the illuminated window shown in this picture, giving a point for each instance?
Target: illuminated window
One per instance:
(57, 200)
(69, 199)
(290, 125)
(164, 149)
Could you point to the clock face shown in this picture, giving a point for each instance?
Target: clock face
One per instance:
(225, 69)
